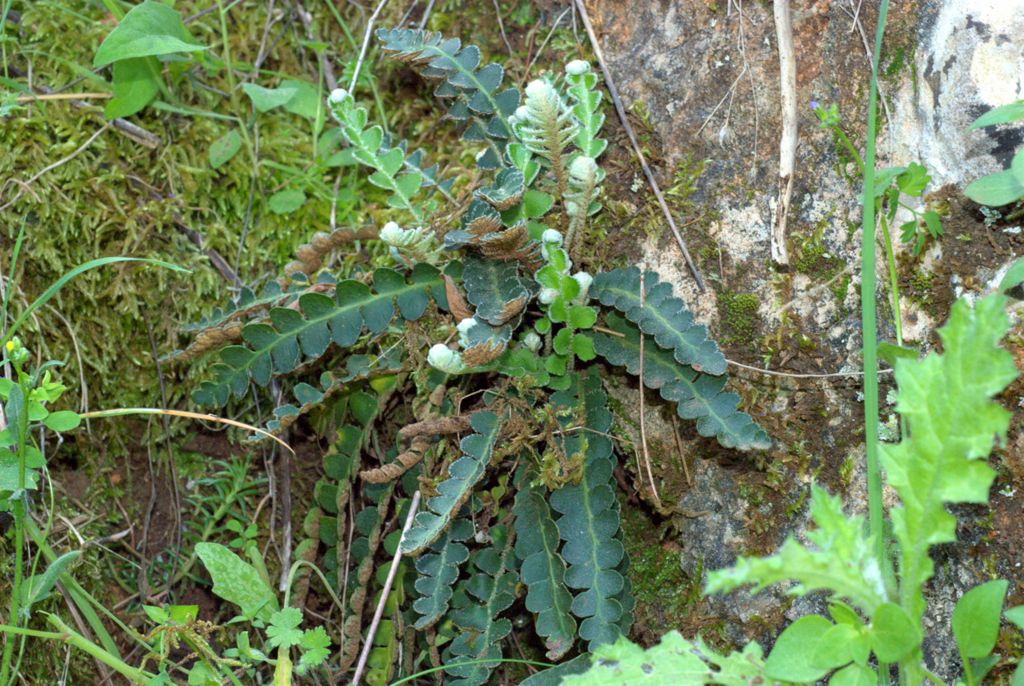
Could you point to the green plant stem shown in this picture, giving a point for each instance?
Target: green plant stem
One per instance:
(227, 47)
(71, 637)
(869, 330)
(894, 286)
(19, 536)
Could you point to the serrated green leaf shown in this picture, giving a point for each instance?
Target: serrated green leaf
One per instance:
(484, 597)
(842, 560)
(315, 645)
(952, 421)
(697, 396)
(284, 631)
(673, 662)
(151, 28)
(463, 474)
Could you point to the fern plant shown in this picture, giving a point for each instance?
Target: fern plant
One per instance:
(475, 321)
(947, 401)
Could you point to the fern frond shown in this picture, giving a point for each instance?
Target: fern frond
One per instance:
(438, 571)
(546, 126)
(663, 316)
(475, 92)
(386, 162)
(291, 337)
(697, 396)
(590, 516)
(586, 105)
(542, 570)
(463, 474)
(478, 604)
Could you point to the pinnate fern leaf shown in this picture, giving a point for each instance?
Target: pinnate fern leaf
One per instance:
(290, 337)
(438, 571)
(662, 315)
(952, 423)
(478, 604)
(475, 92)
(590, 515)
(463, 474)
(697, 396)
(542, 570)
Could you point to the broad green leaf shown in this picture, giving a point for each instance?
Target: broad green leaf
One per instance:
(976, 618)
(266, 99)
(1014, 277)
(854, 675)
(135, 85)
(286, 201)
(63, 420)
(836, 647)
(1004, 114)
(224, 148)
(495, 288)
(1015, 615)
(793, 655)
(894, 635)
(151, 28)
(238, 582)
(999, 188)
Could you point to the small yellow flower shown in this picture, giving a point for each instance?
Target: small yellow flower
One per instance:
(10, 346)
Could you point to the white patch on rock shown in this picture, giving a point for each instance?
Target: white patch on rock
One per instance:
(970, 60)
(742, 232)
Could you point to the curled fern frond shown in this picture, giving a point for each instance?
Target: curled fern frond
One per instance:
(590, 515)
(697, 396)
(463, 474)
(662, 315)
(579, 200)
(475, 92)
(309, 257)
(546, 126)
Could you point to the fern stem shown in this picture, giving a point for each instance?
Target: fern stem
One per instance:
(869, 326)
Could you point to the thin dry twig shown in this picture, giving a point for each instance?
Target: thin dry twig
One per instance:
(617, 101)
(63, 96)
(790, 133)
(366, 43)
(643, 421)
(501, 27)
(379, 611)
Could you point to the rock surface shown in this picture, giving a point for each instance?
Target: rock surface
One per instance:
(707, 75)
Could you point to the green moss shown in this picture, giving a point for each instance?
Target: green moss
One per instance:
(662, 590)
(738, 312)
